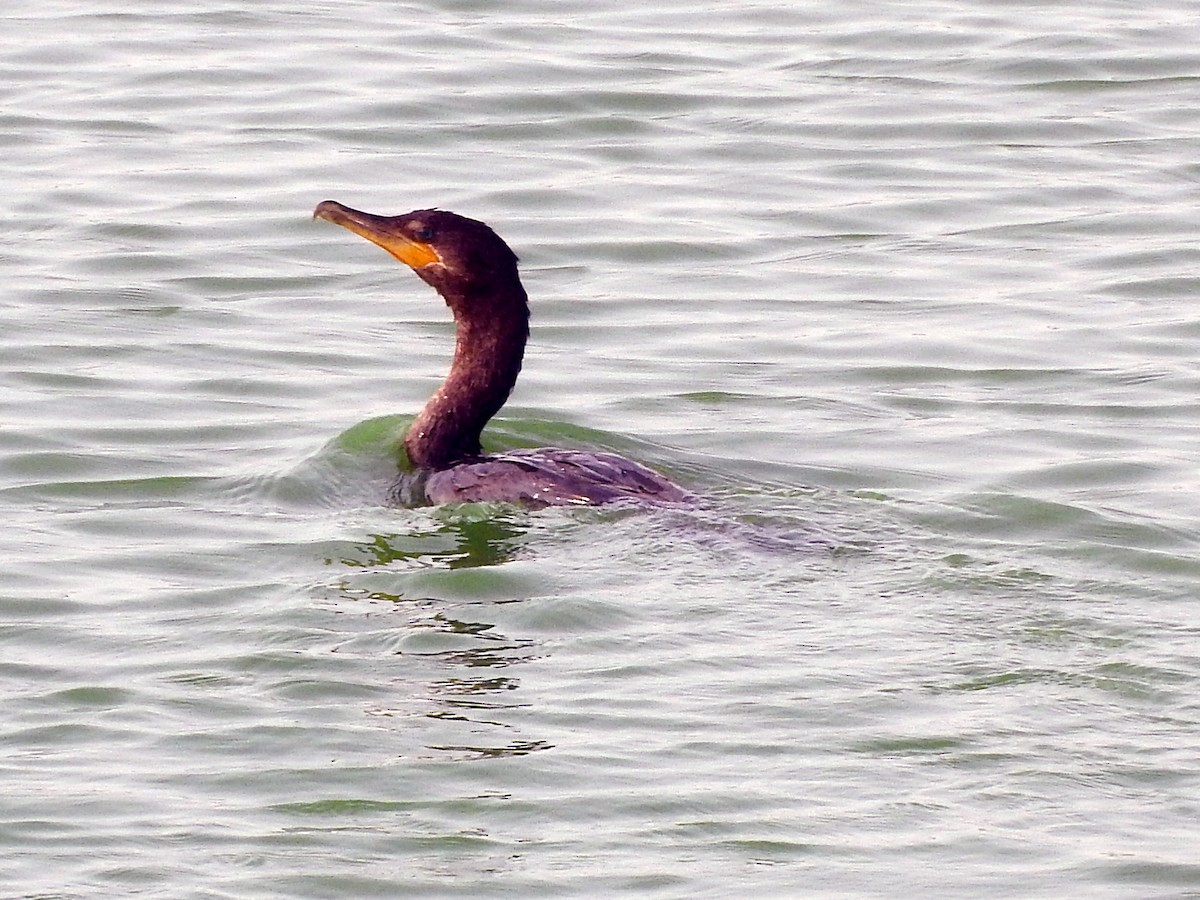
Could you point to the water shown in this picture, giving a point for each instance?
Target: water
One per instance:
(903, 290)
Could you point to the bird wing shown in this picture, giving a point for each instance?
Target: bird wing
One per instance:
(552, 477)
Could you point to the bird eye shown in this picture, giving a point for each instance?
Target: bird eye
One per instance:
(421, 232)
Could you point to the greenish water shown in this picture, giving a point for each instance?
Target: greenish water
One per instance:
(905, 293)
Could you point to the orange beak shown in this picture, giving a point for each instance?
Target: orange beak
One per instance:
(382, 230)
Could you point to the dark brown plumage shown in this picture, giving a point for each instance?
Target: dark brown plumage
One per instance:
(476, 273)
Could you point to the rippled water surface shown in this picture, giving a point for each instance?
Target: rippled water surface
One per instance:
(905, 291)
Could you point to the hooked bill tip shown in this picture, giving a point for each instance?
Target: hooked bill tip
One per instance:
(325, 207)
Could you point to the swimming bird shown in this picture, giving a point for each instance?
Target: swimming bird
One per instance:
(475, 272)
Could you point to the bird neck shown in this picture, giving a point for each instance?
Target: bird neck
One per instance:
(490, 334)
